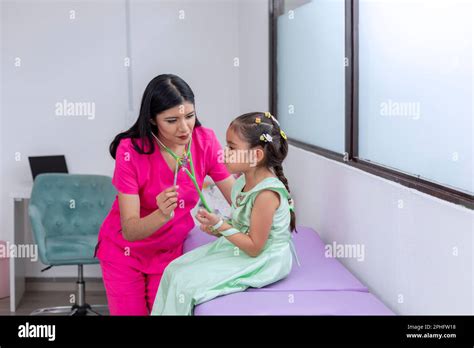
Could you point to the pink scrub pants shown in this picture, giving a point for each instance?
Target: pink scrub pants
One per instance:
(129, 291)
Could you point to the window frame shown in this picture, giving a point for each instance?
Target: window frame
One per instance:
(351, 137)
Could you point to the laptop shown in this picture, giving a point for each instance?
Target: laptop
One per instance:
(47, 164)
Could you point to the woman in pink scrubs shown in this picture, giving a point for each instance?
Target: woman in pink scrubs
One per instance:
(150, 218)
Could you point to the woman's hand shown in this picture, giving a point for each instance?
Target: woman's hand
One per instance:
(167, 201)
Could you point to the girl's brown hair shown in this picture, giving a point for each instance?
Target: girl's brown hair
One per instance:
(275, 151)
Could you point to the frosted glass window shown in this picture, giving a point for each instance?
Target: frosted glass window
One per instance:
(310, 72)
(416, 88)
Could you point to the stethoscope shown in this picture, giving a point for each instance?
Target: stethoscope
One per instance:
(183, 162)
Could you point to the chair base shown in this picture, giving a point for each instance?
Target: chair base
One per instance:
(80, 307)
(74, 310)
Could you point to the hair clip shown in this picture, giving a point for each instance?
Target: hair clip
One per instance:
(258, 120)
(269, 115)
(266, 138)
(283, 135)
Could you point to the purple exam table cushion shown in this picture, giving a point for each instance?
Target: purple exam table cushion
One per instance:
(294, 303)
(320, 286)
(316, 272)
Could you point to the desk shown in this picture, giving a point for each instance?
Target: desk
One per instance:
(16, 234)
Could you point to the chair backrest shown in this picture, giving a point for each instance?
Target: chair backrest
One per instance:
(69, 204)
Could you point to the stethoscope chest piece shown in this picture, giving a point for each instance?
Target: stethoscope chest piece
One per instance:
(184, 162)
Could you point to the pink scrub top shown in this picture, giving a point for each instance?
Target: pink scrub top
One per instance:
(147, 176)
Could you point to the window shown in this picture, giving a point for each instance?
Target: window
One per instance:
(401, 105)
(310, 79)
(415, 88)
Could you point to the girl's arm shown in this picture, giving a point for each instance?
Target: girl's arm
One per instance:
(261, 219)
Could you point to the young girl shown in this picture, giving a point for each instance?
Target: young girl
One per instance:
(255, 247)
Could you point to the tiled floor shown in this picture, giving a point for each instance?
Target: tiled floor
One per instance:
(39, 299)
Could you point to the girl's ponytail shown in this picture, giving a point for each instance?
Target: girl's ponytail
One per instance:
(278, 169)
(276, 152)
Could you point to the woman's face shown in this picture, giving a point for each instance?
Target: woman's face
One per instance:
(176, 125)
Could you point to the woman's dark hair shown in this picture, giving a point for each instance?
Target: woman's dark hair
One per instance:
(275, 151)
(164, 92)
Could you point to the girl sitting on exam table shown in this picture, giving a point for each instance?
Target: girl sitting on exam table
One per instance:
(254, 248)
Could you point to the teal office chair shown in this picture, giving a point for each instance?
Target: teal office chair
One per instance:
(66, 212)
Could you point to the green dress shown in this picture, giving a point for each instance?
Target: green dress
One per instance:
(221, 268)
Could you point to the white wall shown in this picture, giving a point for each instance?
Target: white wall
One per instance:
(410, 239)
(2, 159)
(79, 60)
(83, 60)
(254, 55)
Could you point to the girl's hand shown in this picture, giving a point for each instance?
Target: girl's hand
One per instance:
(206, 218)
(207, 229)
(167, 201)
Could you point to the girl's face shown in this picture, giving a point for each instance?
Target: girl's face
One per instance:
(238, 157)
(176, 125)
